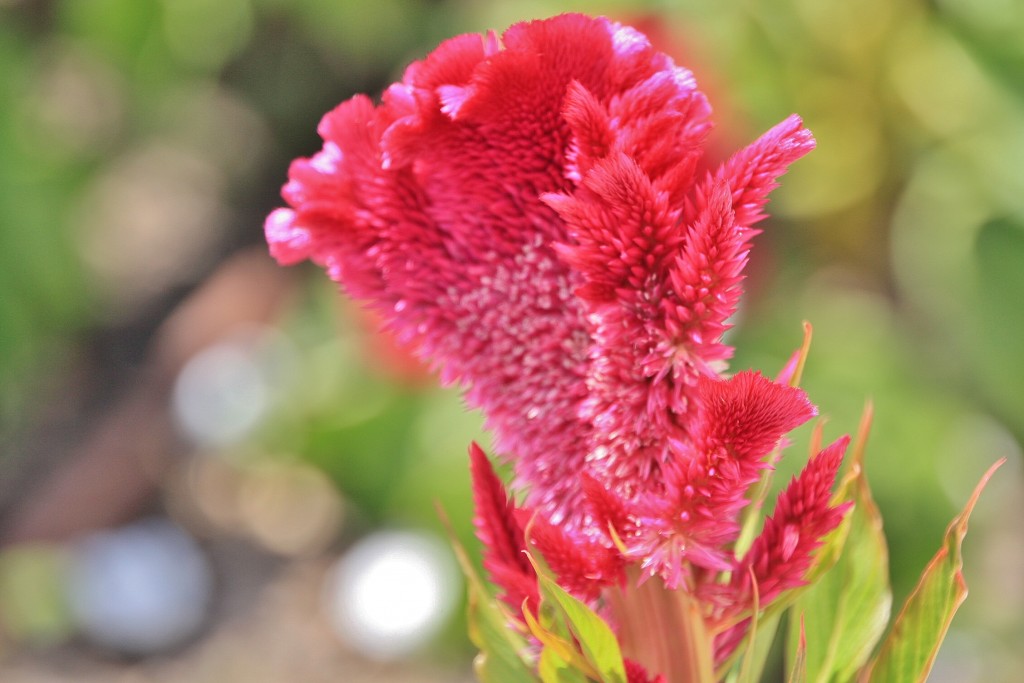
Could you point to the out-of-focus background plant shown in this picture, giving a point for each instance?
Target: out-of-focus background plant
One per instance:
(212, 470)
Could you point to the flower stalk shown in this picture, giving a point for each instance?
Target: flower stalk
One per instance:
(644, 608)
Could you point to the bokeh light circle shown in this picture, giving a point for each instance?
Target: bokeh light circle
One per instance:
(140, 589)
(391, 593)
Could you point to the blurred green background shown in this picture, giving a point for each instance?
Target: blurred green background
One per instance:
(143, 141)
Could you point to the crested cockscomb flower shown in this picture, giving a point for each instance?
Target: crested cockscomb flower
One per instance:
(530, 214)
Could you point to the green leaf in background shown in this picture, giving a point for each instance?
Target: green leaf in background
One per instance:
(908, 653)
(33, 603)
(847, 610)
(596, 640)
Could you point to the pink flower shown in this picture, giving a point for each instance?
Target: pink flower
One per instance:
(528, 213)
(692, 521)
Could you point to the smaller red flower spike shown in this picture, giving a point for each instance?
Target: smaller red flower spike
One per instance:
(781, 555)
(582, 566)
(743, 418)
(500, 533)
(695, 517)
(612, 514)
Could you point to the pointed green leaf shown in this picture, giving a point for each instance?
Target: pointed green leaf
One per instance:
(798, 672)
(757, 644)
(908, 653)
(596, 640)
(595, 637)
(553, 633)
(847, 609)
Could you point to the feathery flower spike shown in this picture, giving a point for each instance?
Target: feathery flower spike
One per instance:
(525, 211)
(528, 212)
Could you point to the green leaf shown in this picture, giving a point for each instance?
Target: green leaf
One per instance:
(908, 653)
(501, 658)
(595, 637)
(553, 633)
(847, 609)
(758, 647)
(554, 669)
(597, 642)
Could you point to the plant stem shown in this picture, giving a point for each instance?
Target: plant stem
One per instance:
(663, 630)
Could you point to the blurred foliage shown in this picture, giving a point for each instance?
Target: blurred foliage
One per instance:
(143, 140)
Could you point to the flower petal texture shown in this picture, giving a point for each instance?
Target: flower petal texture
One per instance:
(526, 212)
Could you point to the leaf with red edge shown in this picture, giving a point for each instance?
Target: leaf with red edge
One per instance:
(798, 671)
(908, 653)
(793, 371)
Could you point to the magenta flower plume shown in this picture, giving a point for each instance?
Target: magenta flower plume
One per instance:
(529, 213)
(581, 329)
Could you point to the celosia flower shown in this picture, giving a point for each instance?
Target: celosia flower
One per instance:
(528, 213)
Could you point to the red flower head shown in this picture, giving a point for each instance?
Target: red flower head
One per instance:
(528, 213)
